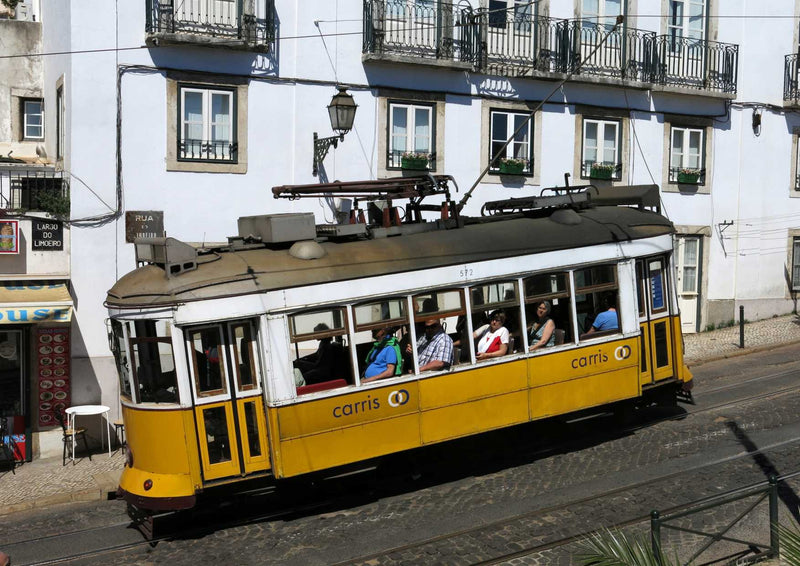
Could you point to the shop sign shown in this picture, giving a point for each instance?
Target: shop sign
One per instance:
(9, 237)
(144, 224)
(47, 235)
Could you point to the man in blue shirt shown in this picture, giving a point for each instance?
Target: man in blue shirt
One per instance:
(384, 359)
(608, 319)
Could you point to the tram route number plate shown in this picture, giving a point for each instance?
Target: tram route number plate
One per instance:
(143, 224)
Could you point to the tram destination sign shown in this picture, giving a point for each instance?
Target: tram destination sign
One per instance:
(143, 224)
(47, 235)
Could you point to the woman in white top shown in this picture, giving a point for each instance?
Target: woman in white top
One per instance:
(492, 337)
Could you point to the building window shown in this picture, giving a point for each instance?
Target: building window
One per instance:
(687, 149)
(411, 134)
(601, 13)
(518, 152)
(686, 20)
(60, 123)
(797, 164)
(207, 125)
(602, 140)
(33, 119)
(796, 264)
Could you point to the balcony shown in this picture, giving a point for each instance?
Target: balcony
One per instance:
(428, 33)
(208, 150)
(519, 44)
(223, 23)
(791, 90)
(33, 190)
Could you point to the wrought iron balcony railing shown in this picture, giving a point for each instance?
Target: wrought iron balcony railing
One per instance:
(225, 20)
(31, 190)
(415, 162)
(426, 29)
(686, 176)
(518, 43)
(604, 170)
(791, 87)
(204, 150)
(696, 63)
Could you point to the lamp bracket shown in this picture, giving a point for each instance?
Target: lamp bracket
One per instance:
(321, 147)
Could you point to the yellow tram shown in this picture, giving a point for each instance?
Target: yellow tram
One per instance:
(220, 350)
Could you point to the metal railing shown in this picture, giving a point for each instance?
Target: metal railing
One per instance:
(396, 160)
(680, 175)
(26, 190)
(213, 18)
(204, 150)
(516, 43)
(791, 89)
(437, 29)
(696, 63)
(601, 170)
(758, 494)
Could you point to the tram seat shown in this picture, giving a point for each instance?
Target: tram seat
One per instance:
(456, 355)
(559, 333)
(510, 345)
(325, 385)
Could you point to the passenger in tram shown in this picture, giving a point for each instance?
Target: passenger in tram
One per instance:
(319, 366)
(384, 359)
(542, 332)
(493, 338)
(434, 347)
(607, 319)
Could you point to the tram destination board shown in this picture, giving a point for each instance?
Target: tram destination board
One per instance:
(143, 224)
(47, 235)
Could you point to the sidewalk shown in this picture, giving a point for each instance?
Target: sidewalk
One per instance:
(46, 482)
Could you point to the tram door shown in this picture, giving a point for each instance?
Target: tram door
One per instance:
(654, 319)
(229, 411)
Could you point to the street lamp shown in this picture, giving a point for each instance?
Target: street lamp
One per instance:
(342, 112)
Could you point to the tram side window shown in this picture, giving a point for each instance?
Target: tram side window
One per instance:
(245, 355)
(208, 360)
(120, 351)
(499, 302)
(320, 353)
(436, 317)
(547, 297)
(381, 335)
(597, 300)
(153, 363)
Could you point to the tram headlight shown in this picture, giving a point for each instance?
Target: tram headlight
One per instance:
(148, 484)
(129, 457)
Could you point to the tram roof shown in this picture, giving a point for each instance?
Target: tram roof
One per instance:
(246, 271)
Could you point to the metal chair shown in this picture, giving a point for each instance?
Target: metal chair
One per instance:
(67, 438)
(119, 434)
(9, 453)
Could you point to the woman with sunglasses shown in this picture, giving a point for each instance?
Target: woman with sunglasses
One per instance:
(492, 338)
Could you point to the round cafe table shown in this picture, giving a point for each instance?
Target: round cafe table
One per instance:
(85, 410)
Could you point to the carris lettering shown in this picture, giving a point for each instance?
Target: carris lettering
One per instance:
(364, 406)
(590, 360)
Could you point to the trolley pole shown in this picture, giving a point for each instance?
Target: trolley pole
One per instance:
(741, 326)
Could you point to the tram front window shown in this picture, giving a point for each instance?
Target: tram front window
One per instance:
(320, 353)
(120, 351)
(153, 364)
(209, 361)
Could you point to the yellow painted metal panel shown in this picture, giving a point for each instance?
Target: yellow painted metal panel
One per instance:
(475, 416)
(164, 485)
(589, 391)
(454, 388)
(226, 467)
(646, 376)
(253, 463)
(351, 444)
(583, 362)
(353, 409)
(160, 440)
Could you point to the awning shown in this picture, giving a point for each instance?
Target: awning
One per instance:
(20, 304)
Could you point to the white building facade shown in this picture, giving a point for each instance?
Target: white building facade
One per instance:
(195, 109)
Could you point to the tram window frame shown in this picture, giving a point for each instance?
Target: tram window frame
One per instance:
(664, 285)
(338, 330)
(397, 323)
(597, 292)
(221, 360)
(534, 296)
(134, 341)
(119, 348)
(509, 307)
(254, 366)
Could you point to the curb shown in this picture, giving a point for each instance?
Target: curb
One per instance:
(738, 352)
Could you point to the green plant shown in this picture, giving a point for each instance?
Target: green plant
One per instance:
(11, 3)
(54, 202)
(513, 162)
(614, 548)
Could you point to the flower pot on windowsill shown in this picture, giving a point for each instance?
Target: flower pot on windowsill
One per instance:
(414, 163)
(511, 168)
(601, 173)
(689, 178)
